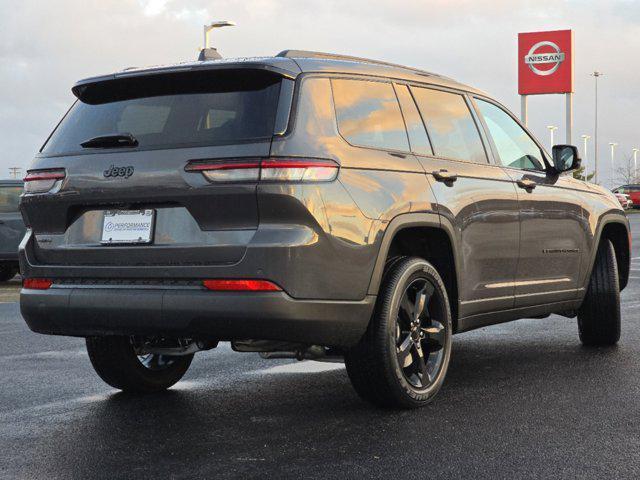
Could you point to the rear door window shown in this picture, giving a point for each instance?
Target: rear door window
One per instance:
(161, 111)
(415, 128)
(452, 129)
(368, 114)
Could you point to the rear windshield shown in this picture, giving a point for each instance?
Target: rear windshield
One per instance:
(10, 198)
(185, 109)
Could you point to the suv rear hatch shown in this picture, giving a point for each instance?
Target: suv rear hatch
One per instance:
(123, 147)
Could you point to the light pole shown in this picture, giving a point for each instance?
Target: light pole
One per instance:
(596, 75)
(635, 164)
(613, 146)
(552, 129)
(584, 154)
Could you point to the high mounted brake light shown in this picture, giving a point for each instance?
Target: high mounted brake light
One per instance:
(274, 169)
(41, 181)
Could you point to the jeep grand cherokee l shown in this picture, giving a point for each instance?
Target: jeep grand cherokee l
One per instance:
(307, 205)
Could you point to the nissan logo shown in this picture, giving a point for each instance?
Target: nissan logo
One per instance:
(532, 58)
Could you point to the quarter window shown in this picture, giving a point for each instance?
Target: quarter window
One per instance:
(368, 114)
(452, 129)
(515, 147)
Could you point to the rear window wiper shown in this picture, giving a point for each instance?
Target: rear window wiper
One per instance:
(111, 141)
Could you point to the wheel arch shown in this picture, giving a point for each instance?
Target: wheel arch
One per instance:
(615, 229)
(427, 235)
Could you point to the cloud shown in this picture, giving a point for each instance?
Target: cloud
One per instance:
(46, 46)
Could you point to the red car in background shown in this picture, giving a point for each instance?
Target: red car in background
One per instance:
(625, 200)
(633, 191)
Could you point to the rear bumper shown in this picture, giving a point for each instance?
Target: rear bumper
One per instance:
(95, 310)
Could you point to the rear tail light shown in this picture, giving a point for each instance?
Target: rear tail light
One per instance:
(41, 181)
(228, 171)
(273, 169)
(37, 283)
(241, 286)
(296, 170)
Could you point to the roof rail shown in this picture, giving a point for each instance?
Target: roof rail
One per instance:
(335, 56)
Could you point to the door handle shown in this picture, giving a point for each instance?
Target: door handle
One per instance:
(444, 176)
(528, 185)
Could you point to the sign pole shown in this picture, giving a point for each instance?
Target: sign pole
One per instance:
(524, 114)
(569, 121)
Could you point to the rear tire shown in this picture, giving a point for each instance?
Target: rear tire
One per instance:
(599, 314)
(116, 362)
(402, 359)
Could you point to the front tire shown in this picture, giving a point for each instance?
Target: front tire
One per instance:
(402, 359)
(599, 314)
(115, 360)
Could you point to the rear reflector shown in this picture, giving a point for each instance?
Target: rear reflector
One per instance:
(273, 169)
(37, 283)
(241, 286)
(41, 181)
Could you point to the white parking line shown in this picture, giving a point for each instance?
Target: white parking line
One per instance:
(308, 366)
(52, 354)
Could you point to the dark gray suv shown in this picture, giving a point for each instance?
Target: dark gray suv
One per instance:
(307, 205)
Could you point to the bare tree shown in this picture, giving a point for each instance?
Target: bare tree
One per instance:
(627, 174)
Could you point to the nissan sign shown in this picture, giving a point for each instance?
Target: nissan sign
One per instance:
(545, 62)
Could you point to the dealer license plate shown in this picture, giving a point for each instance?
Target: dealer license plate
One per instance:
(127, 226)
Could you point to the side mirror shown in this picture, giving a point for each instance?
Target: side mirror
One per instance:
(565, 158)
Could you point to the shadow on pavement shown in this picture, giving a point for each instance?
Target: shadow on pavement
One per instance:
(532, 400)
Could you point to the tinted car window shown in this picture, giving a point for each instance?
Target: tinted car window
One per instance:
(368, 114)
(10, 198)
(515, 147)
(452, 130)
(194, 110)
(415, 128)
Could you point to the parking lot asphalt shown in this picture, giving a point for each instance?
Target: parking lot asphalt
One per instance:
(521, 400)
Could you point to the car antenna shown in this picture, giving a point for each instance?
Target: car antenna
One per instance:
(211, 53)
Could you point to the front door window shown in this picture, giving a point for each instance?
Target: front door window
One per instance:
(515, 147)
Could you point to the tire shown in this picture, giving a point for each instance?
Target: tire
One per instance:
(387, 366)
(7, 272)
(599, 314)
(115, 361)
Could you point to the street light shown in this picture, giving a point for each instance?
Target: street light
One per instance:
(596, 75)
(552, 129)
(584, 154)
(207, 52)
(217, 24)
(613, 146)
(635, 164)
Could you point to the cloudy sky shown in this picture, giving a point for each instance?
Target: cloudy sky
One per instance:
(45, 46)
